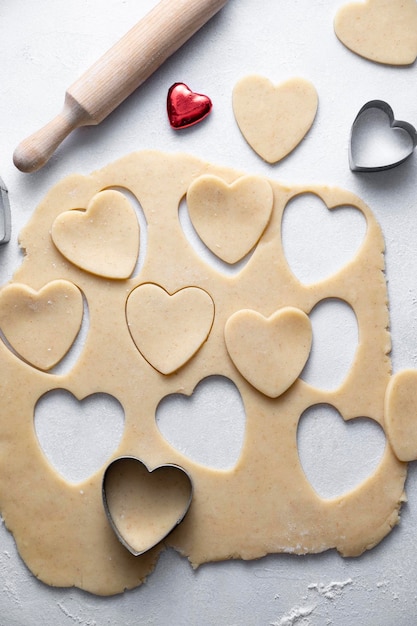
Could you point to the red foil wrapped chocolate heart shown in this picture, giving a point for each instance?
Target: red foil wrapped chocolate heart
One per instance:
(186, 108)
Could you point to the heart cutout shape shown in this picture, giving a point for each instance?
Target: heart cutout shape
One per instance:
(185, 107)
(103, 239)
(270, 353)
(400, 414)
(144, 506)
(230, 219)
(168, 329)
(384, 31)
(41, 326)
(78, 436)
(378, 141)
(208, 426)
(318, 241)
(335, 342)
(337, 455)
(274, 119)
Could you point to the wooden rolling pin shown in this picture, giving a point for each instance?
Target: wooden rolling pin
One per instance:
(117, 74)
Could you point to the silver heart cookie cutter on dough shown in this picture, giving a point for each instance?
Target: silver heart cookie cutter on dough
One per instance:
(378, 141)
(144, 506)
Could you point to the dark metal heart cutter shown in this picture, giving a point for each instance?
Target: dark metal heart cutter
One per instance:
(378, 141)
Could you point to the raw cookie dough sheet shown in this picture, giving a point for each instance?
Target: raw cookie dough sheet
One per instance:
(264, 503)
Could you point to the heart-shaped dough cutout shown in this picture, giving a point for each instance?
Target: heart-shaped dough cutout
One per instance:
(378, 141)
(41, 326)
(401, 414)
(78, 436)
(144, 506)
(269, 352)
(169, 329)
(230, 219)
(274, 119)
(384, 31)
(337, 455)
(103, 239)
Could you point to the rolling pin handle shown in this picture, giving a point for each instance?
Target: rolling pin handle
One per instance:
(34, 151)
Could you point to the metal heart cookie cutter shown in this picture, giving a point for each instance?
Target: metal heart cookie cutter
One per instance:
(144, 506)
(5, 219)
(378, 141)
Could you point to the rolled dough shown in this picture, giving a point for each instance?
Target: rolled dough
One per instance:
(264, 504)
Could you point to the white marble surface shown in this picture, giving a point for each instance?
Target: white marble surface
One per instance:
(44, 47)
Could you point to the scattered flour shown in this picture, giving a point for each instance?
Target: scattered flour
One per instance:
(332, 590)
(294, 616)
(300, 615)
(10, 586)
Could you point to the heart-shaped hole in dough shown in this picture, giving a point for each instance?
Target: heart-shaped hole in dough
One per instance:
(335, 341)
(319, 241)
(335, 455)
(208, 426)
(144, 506)
(78, 437)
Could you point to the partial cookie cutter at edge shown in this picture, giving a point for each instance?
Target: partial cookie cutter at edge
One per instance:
(5, 217)
(406, 126)
(111, 520)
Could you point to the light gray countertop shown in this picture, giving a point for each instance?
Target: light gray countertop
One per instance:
(44, 47)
